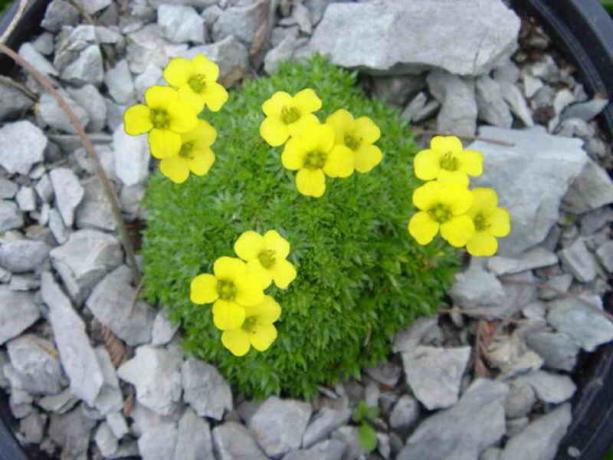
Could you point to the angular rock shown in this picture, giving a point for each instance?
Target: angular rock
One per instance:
(57, 226)
(559, 285)
(36, 365)
(521, 174)
(282, 52)
(26, 199)
(59, 403)
(76, 353)
(21, 146)
(106, 441)
(59, 13)
(20, 403)
(146, 46)
(234, 442)
(95, 210)
(477, 288)
(435, 374)
(120, 84)
(520, 400)
(585, 111)
(10, 217)
(112, 303)
(152, 75)
(194, 440)
(84, 259)
(14, 102)
(231, 56)
(38, 61)
(584, 324)
(131, 157)
(86, 68)
(181, 24)
(529, 260)
(205, 389)
(605, 255)
(19, 256)
(410, 338)
(464, 431)
(32, 428)
(330, 449)
(557, 349)
(8, 189)
(386, 373)
(158, 443)
(398, 37)
(71, 431)
(540, 438)
(592, 189)
(68, 193)
(324, 422)
(549, 388)
(155, 372)
(405, 414)
(163, 330)
(278, 425)
(93, 103)
(579, 261)
(54, 116)
(93, 6)
(492, 107)
(18, 311)
(458, 114)
(242, 22)
(110, 399)
(117, 424)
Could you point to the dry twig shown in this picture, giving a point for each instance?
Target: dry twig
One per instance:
(117, 350)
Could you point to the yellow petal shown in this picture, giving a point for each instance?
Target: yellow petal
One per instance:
(471, 162)
(453, 177)
(164, 143)
(203, 289)
(201, 161)
(183, 117)
(228, 315)
(190, 97)
(275, 242)
(175, 168)
(249, 290)
(482, 245)
(458, 230)
(283, 273)
(311, 182)
(367, 130)
(177, 72)
(203, 135)
(160, 96)
(340, 162)
(215, 96)
(446, 144)
(268, 310)
(273, 131)
(261, 274)
(303, 123)
(458, 197)
(500, 222)
(426, 164)
(324, 136)
(237, 341)
(274, 105)
(249, 245)
(307, 101)
(229, 268)
(137, 120)
(427, 195)
(484, 199)
(340, 121)
(263, 336)
(423, 228)
(367, 157)
(204, 66)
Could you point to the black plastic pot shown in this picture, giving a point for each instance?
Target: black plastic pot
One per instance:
(585, 34)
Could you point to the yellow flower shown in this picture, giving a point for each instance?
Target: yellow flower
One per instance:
(490, 222)
(195, 154)
(311, 154)
(443, 206)
(196, 82)
(231, 288)
(257, 331)
(355, 138)
(447, 161)
(266, 255)
(286, 115)
(164, 116)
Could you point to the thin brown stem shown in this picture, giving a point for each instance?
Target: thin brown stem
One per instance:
(89, 148)
(428, 132)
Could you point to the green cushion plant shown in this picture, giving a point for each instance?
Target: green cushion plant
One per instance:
(361, 277)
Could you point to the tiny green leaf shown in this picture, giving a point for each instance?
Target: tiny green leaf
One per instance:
(367, 437)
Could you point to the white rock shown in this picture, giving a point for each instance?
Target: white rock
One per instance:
(518, 105)
(549, 388)
(435, 374)
(323, 423)
(72, 431)
(131, 157)
(54, 116)
(605, 255)
(158, 443)
(405, 414)
(110, 399)
(205, 389)
(21, 146)
(592, 189)
(458, 113)
(57, 226)
(38, 61)
(233, 442)
(477, 287)
(279, 424)
(117, 424)
(68, 193)
(90, 99)
(579, 261)
(10, 216)
(146, 46)
(492, 107)
(152, 75)
(181, 24)
(8, 189)
(120, 84)
(18, 311)
(242, 21)
(93, 6)
(105, 440)
(26, 199)
(59, 13)
(86, 68)
(523, 176)
(95, 210)
(78, 357)
(531, 259)
(557, 349)
(194, 440)
(406, 36)
(163, 330)
(23, 255)
(155, 372)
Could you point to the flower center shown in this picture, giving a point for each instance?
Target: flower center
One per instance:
(197, 83)
(481, 223)
(226, 289)
(449, 162)
(289, 115)
(267, 258)
(160, 118)
(186, 150)
(440, 213)
(352, 142)
(315, 160)
(250, 324)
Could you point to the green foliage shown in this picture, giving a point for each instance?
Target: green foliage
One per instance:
(364, 415)
(367, 437)
(361, 277)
